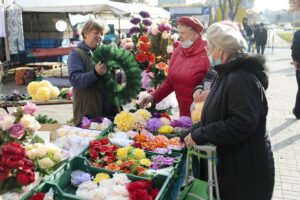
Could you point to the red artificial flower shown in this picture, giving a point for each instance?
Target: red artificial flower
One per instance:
(26, 163)
(144, 47)
(115, 148)
(154, 193)
(144, 38)
(4, 172)
(151, 58)
(93, 154)
(38, 196)
(25, 176)
(141, 184)
(141, 57)
(166, 116)
(12, 153)
(104, 141)
(140, 195)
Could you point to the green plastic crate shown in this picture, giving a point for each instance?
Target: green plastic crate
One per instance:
(61, 184)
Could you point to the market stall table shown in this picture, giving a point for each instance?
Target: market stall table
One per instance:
(6, 104)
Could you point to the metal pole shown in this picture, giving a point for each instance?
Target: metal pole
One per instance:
(6, 38)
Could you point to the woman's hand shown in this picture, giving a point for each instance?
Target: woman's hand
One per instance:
(200, 95)
(146, 100)
(189, 142)
(100, 68)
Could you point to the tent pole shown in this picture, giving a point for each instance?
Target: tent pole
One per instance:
(119, 29)
(7, 55)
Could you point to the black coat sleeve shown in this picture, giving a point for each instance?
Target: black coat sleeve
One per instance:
(244, 100)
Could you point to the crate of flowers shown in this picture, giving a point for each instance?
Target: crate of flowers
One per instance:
(78, 180)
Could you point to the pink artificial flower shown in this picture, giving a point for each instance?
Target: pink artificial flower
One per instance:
(16, 131)
(145, 79)
(29, 108)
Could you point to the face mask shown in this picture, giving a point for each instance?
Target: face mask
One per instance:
(213, 61)
(187, 44)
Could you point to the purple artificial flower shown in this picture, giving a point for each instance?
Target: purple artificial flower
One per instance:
(134, 30)
(153, 124)
(97, 119)
(155, 115)
(144, 14)
(160, 162)
(146, 79)
(78, 177)
(106, 121)
(29, 108)
(16, 131)
(135, 20)
(163, 150)
(147, 22)
(144, 30)
(85, 122)
(182, 122)
(164, 27)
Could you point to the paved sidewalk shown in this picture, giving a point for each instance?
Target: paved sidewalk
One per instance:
(284, 128)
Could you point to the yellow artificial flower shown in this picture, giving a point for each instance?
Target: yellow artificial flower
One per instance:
(145, 114)
(166, 129)
(32, 88)
(125, 121)
(139, 154)
(122, 153)
(100, 177)
(42, 94)
(45, 84)
(54, 92)
(146, 162)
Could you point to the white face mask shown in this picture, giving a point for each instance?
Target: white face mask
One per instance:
(187, 44)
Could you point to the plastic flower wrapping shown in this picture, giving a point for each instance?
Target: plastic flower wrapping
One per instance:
(42, 90)
(45, 156)
(19, 126)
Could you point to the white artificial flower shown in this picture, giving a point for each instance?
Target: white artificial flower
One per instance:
(174, 37)
(52, 149)
(95, 126)
(32, 154)
(41, 151)
(120, 190)
(121, 178)
(27, 121)
(8, 121)
(62, 132)
(117, 198)
(100, 193)
(154, 29)
(170, 49)
(141, 96)
(45, 163)
(58, 156)
(165, 35)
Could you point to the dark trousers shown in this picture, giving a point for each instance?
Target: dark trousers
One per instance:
(260, 49)
(296, 110)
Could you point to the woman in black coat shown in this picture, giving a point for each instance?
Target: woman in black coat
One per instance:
(234, 119)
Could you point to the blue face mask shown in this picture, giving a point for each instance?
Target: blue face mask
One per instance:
(214, 62)
(187, 44)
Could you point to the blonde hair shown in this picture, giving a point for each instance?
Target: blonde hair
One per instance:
(91, 25)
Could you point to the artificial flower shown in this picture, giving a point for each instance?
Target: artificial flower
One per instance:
(54, 92)
(100, 177)
(29, 108)
(135, 20)
(32, 88)
(139, 154)
(38, 196)
(165, 120)
(45, 163)
(16, 131)
(7, 122)
(124, 121)
(165, 129)
(78, 177)
(144, 14)
(122, 153)
(145, 114)
(154, 124)
(145, 162)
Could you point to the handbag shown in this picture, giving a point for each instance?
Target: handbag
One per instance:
(195, 190)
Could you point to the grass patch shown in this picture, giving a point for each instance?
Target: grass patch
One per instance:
(286, 36)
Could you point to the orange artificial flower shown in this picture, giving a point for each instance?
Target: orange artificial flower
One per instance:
(161, 65)
(113, 167)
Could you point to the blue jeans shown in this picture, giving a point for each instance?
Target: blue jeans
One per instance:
(179, 181)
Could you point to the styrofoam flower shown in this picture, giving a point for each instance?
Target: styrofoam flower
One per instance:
(45, 163)
(8, 121)
(28, 121)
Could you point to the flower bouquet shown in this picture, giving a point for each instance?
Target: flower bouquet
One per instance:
(42, 90)
(19, 126)
(16, 170)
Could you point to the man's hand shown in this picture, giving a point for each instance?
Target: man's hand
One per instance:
(100, 68)
(200, 95)
(189, 142)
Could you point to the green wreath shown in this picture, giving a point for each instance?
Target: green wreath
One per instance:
(119, 59)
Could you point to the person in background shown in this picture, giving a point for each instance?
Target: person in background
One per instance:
(249, 33)
(234, 118)
(261, 37)
(296, 60)
(88, 98)
(188, 65)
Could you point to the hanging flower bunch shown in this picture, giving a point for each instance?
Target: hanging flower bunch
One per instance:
(20, 125)
(15, 169)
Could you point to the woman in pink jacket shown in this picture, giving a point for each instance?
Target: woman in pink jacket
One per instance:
(188, 66)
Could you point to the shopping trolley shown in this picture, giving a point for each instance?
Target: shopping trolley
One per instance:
(207, 152)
